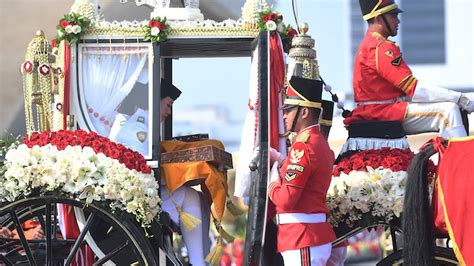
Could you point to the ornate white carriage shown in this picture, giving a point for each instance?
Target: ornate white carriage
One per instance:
(101, 76)
(107, 74)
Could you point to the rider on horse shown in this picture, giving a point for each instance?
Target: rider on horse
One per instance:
(385, 88)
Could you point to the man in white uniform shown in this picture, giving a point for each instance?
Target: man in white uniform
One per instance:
(185, 197)
(133, 132)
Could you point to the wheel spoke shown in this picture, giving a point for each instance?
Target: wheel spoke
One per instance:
(55, 221)
(5, 260)
(13, 251)
(47, 235)
(8, 243)
(130, 244)
(111, 254)
(24, 243)
(41, 220)
(79, 240)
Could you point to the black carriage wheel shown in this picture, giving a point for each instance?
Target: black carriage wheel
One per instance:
(441, 256)
(344, 232)
(51, 251)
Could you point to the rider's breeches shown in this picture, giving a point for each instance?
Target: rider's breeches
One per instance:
(442, 117)
(314, 256)
(188, 199)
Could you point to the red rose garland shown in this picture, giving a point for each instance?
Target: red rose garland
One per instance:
(273, 22)
(154, 23)
(71, 27)
(156, 30)
(393, 159)
(63, 138)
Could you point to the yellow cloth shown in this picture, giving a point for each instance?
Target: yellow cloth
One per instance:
(177, 174)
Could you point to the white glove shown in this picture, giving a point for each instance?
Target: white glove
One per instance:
(274, 173)
(428, 93)
(467, 102)
(275, 156)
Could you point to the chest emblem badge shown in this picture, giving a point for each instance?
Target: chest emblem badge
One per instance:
(141, 136)
(296, 155)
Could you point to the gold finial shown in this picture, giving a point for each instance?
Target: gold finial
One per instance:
(304, 27)
(39, 33)
(302, 51)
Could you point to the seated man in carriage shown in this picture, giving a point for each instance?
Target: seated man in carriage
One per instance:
(386, 90)
(184, 200)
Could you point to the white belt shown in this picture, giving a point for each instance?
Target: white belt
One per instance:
(300, 218)
(398, 99)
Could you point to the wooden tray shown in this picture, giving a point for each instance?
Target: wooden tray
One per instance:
(207, 153)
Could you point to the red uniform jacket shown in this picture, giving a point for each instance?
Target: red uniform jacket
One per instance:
(380, 74)
(305, 176)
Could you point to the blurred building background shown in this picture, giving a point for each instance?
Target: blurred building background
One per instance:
(436, 37)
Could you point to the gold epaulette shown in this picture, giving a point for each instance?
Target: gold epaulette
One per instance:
(303, 136)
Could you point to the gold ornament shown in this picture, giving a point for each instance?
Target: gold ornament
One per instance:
(304, 55)
(37, 84)
(84, 8)
(250, 12)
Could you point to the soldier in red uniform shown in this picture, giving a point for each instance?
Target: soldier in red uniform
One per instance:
(299, 188)
(385, 89)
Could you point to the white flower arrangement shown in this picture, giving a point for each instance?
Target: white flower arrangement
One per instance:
(69, 29)
(271, 25)
(83, 174)
(368, 187)
(376, 192)
(155, 31)
(76, 29)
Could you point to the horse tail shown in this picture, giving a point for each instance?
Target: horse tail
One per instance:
(417, 217)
